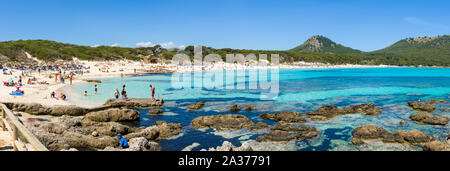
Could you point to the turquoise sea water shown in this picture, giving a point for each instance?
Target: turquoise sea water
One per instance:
(300, 90)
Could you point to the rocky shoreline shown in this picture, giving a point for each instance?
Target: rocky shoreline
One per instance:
(76, 128)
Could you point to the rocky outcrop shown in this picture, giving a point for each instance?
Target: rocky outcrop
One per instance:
(82, 133)
(292, 117)
(222, 122)
(426, 118)
(114, 115)
(196, 106)
(134, 103)
(421, 106)
(38, 109)
(235, 108)
(284, 132)
(326, 112)
(259, 126)
(412, 137)
(227, 146)
(160, 131)
(437, 146)
(155, 112)
(138, 144)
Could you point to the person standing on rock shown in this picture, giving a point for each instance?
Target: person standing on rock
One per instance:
(123, 142)
(153, 92)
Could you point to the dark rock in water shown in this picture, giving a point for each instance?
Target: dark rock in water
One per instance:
(429, 119)
(138, 144)
(114, 115)
(286, 132)
(227, 146)
(235, 108)
(222, 122)
(258, 126)
(325, 112)
(38, 109)
(413, 137)
(156, 112)
(432, 101)
(167, 130)
(134, 103)
(421, 106)
(292, 117)
(196, 106)
(248, 108)
(366, 108)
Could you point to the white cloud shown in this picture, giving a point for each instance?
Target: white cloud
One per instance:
(96, 45)
(166, 45)
(115, 45)
(417, 21)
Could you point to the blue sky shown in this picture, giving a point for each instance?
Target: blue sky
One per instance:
(245, 24)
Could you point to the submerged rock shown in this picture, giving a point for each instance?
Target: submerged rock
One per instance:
(413, 137)
(429, 119)
(134, 103)
(292, 117)
(156, 112)
(222, 122)
(283, 132)
(227, 146)
(326, 112)
(421, 106)
(114, 115)
(259, 126)
(196, 106)
(235, 108)
(432, 101)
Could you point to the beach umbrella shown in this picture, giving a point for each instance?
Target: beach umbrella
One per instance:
(4, 69)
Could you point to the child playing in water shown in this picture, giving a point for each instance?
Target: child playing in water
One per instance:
(116, 94)
(85, 93)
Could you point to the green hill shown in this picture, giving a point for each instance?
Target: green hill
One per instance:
(50, 51)
(415, 51)
(322, 44)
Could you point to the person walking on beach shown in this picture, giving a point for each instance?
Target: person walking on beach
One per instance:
(95, 89)
(71, 78)
(152, 88)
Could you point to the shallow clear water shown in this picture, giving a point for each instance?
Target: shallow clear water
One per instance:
(300, 90)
